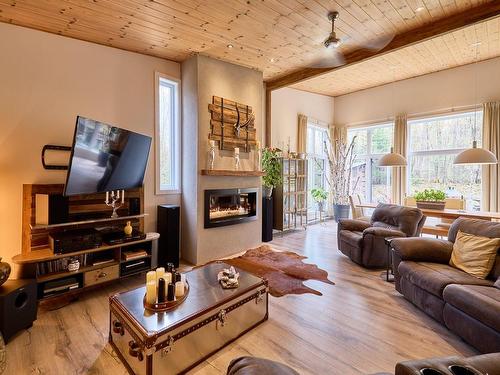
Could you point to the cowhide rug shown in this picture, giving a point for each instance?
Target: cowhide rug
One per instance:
(284, 270)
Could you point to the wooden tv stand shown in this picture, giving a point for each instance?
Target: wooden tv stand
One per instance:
(98, 265)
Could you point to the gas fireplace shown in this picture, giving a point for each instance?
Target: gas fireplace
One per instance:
(230, 206)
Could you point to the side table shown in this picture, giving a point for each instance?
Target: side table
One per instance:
(389, 272)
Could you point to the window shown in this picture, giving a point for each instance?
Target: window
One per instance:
(167, 135)
(371, 182)
(433, 143)
(317, 164)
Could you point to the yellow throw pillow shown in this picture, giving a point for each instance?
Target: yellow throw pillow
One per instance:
(474, 254)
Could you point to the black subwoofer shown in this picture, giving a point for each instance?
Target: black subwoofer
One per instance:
(18, 306)
(168, 226)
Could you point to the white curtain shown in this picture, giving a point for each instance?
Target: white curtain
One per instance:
(491, 141)
(399, 173)
(302, 133)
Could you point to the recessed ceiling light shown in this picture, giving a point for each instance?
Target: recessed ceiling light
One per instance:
(229, 46)
(419, 9)
(272, 59)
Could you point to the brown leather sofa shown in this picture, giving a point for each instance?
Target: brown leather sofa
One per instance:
(468, 306)
(486, 364)
(363, 241)
(258, 366)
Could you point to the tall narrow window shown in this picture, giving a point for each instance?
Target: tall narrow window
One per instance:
(433, 143)
(373, 183)
(167, 135)
(317, 164)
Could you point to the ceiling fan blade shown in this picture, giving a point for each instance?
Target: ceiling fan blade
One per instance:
(327, 58)
(378, 43)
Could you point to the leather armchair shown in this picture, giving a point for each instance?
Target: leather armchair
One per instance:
(364, 243)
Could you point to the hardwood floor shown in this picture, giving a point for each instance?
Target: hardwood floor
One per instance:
(361, 325)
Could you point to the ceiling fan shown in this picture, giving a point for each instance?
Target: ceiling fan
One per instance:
(331, 56)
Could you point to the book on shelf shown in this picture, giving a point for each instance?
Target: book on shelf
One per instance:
(134, 254)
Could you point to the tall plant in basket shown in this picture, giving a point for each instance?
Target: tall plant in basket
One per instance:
(340, 156)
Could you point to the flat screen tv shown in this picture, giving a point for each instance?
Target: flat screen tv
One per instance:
(105, 158)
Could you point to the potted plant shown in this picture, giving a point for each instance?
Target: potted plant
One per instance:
(430, 199)
(340, 157)
(271, 166)
(320, 196)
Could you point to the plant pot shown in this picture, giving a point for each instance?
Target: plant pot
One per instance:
(341, 211)
(4, 271)
(267, 191)
(431, 205)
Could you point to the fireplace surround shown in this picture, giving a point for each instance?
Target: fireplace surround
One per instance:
(230, 206)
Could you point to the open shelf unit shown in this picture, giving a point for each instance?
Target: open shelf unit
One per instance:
(98, 265)
(290, 199)
(229, 172)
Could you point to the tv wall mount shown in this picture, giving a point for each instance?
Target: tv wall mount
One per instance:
(54, 148)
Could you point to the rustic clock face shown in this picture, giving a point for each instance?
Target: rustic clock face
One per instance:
(232, 124)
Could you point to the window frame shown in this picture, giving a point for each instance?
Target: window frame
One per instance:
(316, 128)
(438, 152)
(370, 157)
(175, 83)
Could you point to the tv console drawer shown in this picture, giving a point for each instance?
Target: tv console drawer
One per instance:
(101, 275)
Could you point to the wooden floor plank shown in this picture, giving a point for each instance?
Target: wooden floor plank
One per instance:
(361, 325)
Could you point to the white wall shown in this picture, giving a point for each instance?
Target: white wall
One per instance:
(45, 82)
(452, 88)
(287, 104)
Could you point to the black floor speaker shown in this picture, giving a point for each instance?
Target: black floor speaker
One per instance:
(18, 306)
(168, 226)
(267, 219)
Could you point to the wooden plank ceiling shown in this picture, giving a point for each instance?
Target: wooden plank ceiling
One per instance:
(275, 36)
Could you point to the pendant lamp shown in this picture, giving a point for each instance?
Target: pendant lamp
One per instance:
(393, 159)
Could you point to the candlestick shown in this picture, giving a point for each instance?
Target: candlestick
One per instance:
(151, 276)
(179, 289)
(118, 194)
(112, 194)
(151, 292)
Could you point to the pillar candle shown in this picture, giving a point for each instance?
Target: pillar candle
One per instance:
(151, 292)
(161, 290)
(107, 197)
(236, 150)
(171, 292)
(168, 277)
(151, 276)
(183, 277)
(179, 289)
(123, 196)
(160, 271)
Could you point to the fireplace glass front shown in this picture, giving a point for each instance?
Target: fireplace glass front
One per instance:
(229, 206)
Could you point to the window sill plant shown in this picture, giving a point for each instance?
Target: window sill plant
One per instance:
(431, 199)
(320, 196)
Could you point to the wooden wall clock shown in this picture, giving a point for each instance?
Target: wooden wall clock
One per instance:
(232, 124)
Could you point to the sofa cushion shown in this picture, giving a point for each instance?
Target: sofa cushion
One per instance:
(353, 238)
(258, 366)
(474, 254)
(479, 302)
(434, 277)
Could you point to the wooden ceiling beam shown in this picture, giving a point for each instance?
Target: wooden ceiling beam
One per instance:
(431, 30)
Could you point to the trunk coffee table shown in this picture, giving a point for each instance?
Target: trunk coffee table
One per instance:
(175, 341)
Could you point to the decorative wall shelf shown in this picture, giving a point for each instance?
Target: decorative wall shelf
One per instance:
(229, 172)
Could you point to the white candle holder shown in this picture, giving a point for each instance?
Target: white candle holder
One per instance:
(115, 202)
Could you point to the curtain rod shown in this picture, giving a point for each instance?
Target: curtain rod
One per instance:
(415, 116)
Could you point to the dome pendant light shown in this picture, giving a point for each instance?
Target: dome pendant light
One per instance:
(475, 155)
(393, 159)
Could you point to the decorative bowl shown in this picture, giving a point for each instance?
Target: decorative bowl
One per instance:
(4, 271)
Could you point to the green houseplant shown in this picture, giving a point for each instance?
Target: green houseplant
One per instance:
(320, 196)
(271, 166)
(430, 199)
